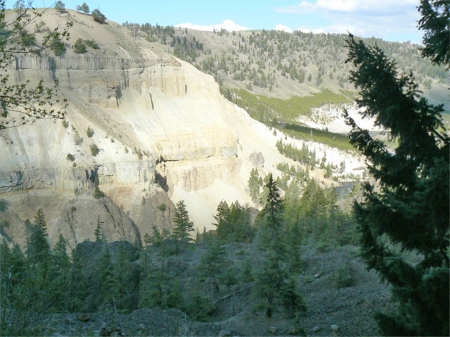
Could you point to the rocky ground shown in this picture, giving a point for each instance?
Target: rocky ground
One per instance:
(341, 297)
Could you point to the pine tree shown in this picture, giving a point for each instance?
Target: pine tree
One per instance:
(106, 278)
(213, 264)
(98, 230)
(38, 249)
(254, 185)
(272, 282)
(222, 217)
(59, 271)
(121, 279)
(406, 210)
(77, 284)
(273, 215)
(184, 226)
(434, 21)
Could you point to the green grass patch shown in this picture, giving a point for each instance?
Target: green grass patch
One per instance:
(282, 114)
(336, 140)
(266, 108)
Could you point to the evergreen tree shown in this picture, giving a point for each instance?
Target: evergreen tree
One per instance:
(406, 210)
(213, 265)
(98, 16)
(84, 8)
(59, 271)
(272, 213)
(107, 279)
(60, 6)
(121, 279)
(38, 249)
(77, 284)
(222, 218)
(435, 22)
(272, 282)
(254, 185)
(184, 226)
(98, 230)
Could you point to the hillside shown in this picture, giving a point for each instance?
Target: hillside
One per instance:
(145, 127)
(281, 65)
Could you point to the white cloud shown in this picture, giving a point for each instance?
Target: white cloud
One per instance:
(360, 7)
(315, 30)
(360, 17)
(229, 25)
(283, 28)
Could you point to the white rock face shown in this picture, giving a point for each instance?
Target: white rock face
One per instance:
(155, 119)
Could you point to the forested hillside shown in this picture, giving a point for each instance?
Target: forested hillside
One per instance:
(280, 64)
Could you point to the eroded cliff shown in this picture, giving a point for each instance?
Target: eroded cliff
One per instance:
(162, 130)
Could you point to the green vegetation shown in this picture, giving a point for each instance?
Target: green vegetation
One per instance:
(55, 283)
(406, 209)
(70, 157)
(267, 109)
(57, 45)
(233, 223)
(98, 16)
(27, 39)
(23, 102)
(283, 113)
(184, 226)
(97, 194)
(79, 47)
(94, 149)
(91, 43)
(89, 132)
(83, 8)
(60, 6)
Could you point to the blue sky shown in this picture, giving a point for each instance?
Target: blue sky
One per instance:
(392, 20)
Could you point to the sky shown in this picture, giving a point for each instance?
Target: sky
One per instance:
(391, 20)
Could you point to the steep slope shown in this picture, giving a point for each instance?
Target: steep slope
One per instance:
(162, 131)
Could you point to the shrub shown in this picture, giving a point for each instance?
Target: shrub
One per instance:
(65, 123)
(343, 276)
(94, 149)
(57, 45)
(70, 157)
(27, 39)
(98, 16)
(92, 44)
(79, 47)
(39, 27)
(89, 132)
(97, 193)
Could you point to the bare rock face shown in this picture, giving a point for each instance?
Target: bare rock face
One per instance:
(155, 120)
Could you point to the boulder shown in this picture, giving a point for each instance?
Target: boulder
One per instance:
(335, 328)
(316, 328)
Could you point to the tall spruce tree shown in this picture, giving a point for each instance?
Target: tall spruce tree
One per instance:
(273, 284)
(184, 226)
(407, 209)
(59, 271)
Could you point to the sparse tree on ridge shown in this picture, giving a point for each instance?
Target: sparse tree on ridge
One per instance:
(60, 6)
(84, 8)
(98, 16)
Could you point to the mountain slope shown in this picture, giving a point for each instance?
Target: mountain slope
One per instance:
(141, 124)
